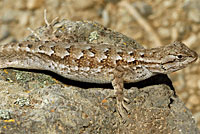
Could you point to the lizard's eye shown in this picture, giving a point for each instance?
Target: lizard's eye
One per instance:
(180, 56)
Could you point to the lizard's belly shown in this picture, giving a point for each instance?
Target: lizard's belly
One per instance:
(91, 76)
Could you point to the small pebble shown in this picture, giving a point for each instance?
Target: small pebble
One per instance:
(193, 99)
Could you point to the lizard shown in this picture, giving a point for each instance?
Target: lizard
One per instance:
(98, 62)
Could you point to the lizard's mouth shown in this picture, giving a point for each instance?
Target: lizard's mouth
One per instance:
(192, 58)
(195, 56)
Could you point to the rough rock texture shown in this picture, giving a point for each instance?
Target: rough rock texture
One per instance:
(43, 105)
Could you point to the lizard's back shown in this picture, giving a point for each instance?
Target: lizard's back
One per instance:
(77, 61)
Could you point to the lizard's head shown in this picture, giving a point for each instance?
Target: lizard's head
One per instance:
(176, 56)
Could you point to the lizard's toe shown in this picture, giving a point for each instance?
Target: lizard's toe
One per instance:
(124, 105)
(123, 109)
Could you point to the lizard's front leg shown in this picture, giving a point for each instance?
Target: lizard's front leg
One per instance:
(118, 85)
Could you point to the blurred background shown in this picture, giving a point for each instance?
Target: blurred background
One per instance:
(151, 23)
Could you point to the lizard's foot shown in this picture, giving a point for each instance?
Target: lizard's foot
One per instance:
(121, 104)
(122, 107)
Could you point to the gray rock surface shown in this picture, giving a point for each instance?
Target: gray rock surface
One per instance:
(36, 103)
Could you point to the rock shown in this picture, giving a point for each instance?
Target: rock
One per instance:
(4, 32)
(82, 4)
(57, 108)
(33, 4)
(8, 16)
(192, 8)
(164, 32)
(193, 99)
(144, 8)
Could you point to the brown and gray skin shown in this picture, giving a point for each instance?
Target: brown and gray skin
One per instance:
(97, 63)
